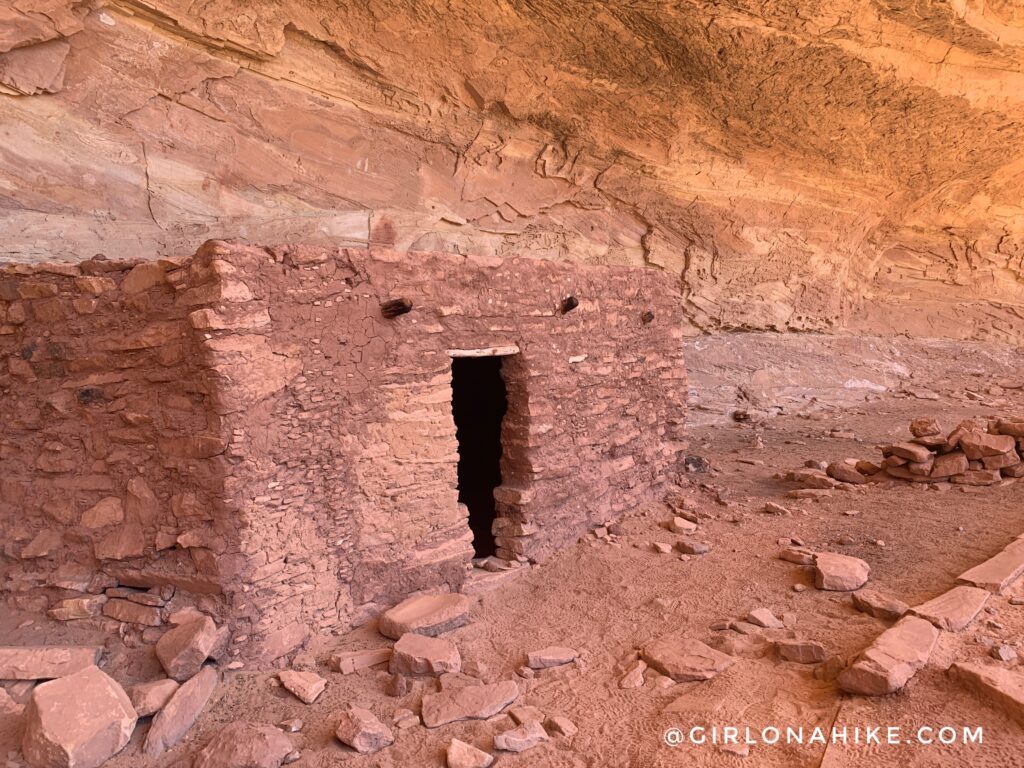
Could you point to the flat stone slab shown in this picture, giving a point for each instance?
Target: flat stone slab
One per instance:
(45, 662)
(552, 656)
(173, 721)
(997, 573)
(1001, 686)
(472, 702)
(839, 573)
(426, 615)
(685, 659)
(878, 605)
(892, 659)
(953, 610)
(305, 686)
(422, 655)
(348, 662)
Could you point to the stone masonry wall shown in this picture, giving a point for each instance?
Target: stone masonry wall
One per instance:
(344, 458)
(259, 437)
(108, 440)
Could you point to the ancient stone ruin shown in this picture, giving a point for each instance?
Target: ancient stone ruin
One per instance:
(469, 383)
(253, 427)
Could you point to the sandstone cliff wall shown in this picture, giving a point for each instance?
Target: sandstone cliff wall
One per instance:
(849, 167)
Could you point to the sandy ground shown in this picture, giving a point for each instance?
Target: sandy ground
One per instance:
(600, 598)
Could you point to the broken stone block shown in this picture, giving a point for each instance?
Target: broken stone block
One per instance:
(149, 698)
(634, 677)
(661, 547)
(998, 572)
(360, 729)
(1000, 686)
(953, 610)
(472, 702)
(306, 686)
(839, 573)
(908, 451)
(348, 662)
(978, 477)
(844, 473)
(892, 659)
(878, 605)
(552, 656)
(78, 721)
(45, 662)
(685, 659)
(173, 721)
(422, 655)
(798, 555)
(924, 427)
(763, 617)
(526, 736)
(949, 464)
(463, 755)
(561, 726)
(977, 445)
(1003, 652)
(426, 615)
(801, 651)
(681, 525)
(245, 745)
(771, 508)
(183, 650)
(689, 547)
(523, 714)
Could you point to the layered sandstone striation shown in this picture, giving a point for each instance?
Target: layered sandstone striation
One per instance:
(850, 166)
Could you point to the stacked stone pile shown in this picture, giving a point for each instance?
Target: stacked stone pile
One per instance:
(971, 454)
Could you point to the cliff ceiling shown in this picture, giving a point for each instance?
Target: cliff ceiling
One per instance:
(846, 166)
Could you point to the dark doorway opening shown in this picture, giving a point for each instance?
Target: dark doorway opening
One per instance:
(479, 403)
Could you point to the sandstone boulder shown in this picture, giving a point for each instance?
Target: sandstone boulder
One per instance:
(78, 721)
(426, 615)
(360, 729)
(245, 745)
(839, 573)
(183, 650)
(845, 473)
